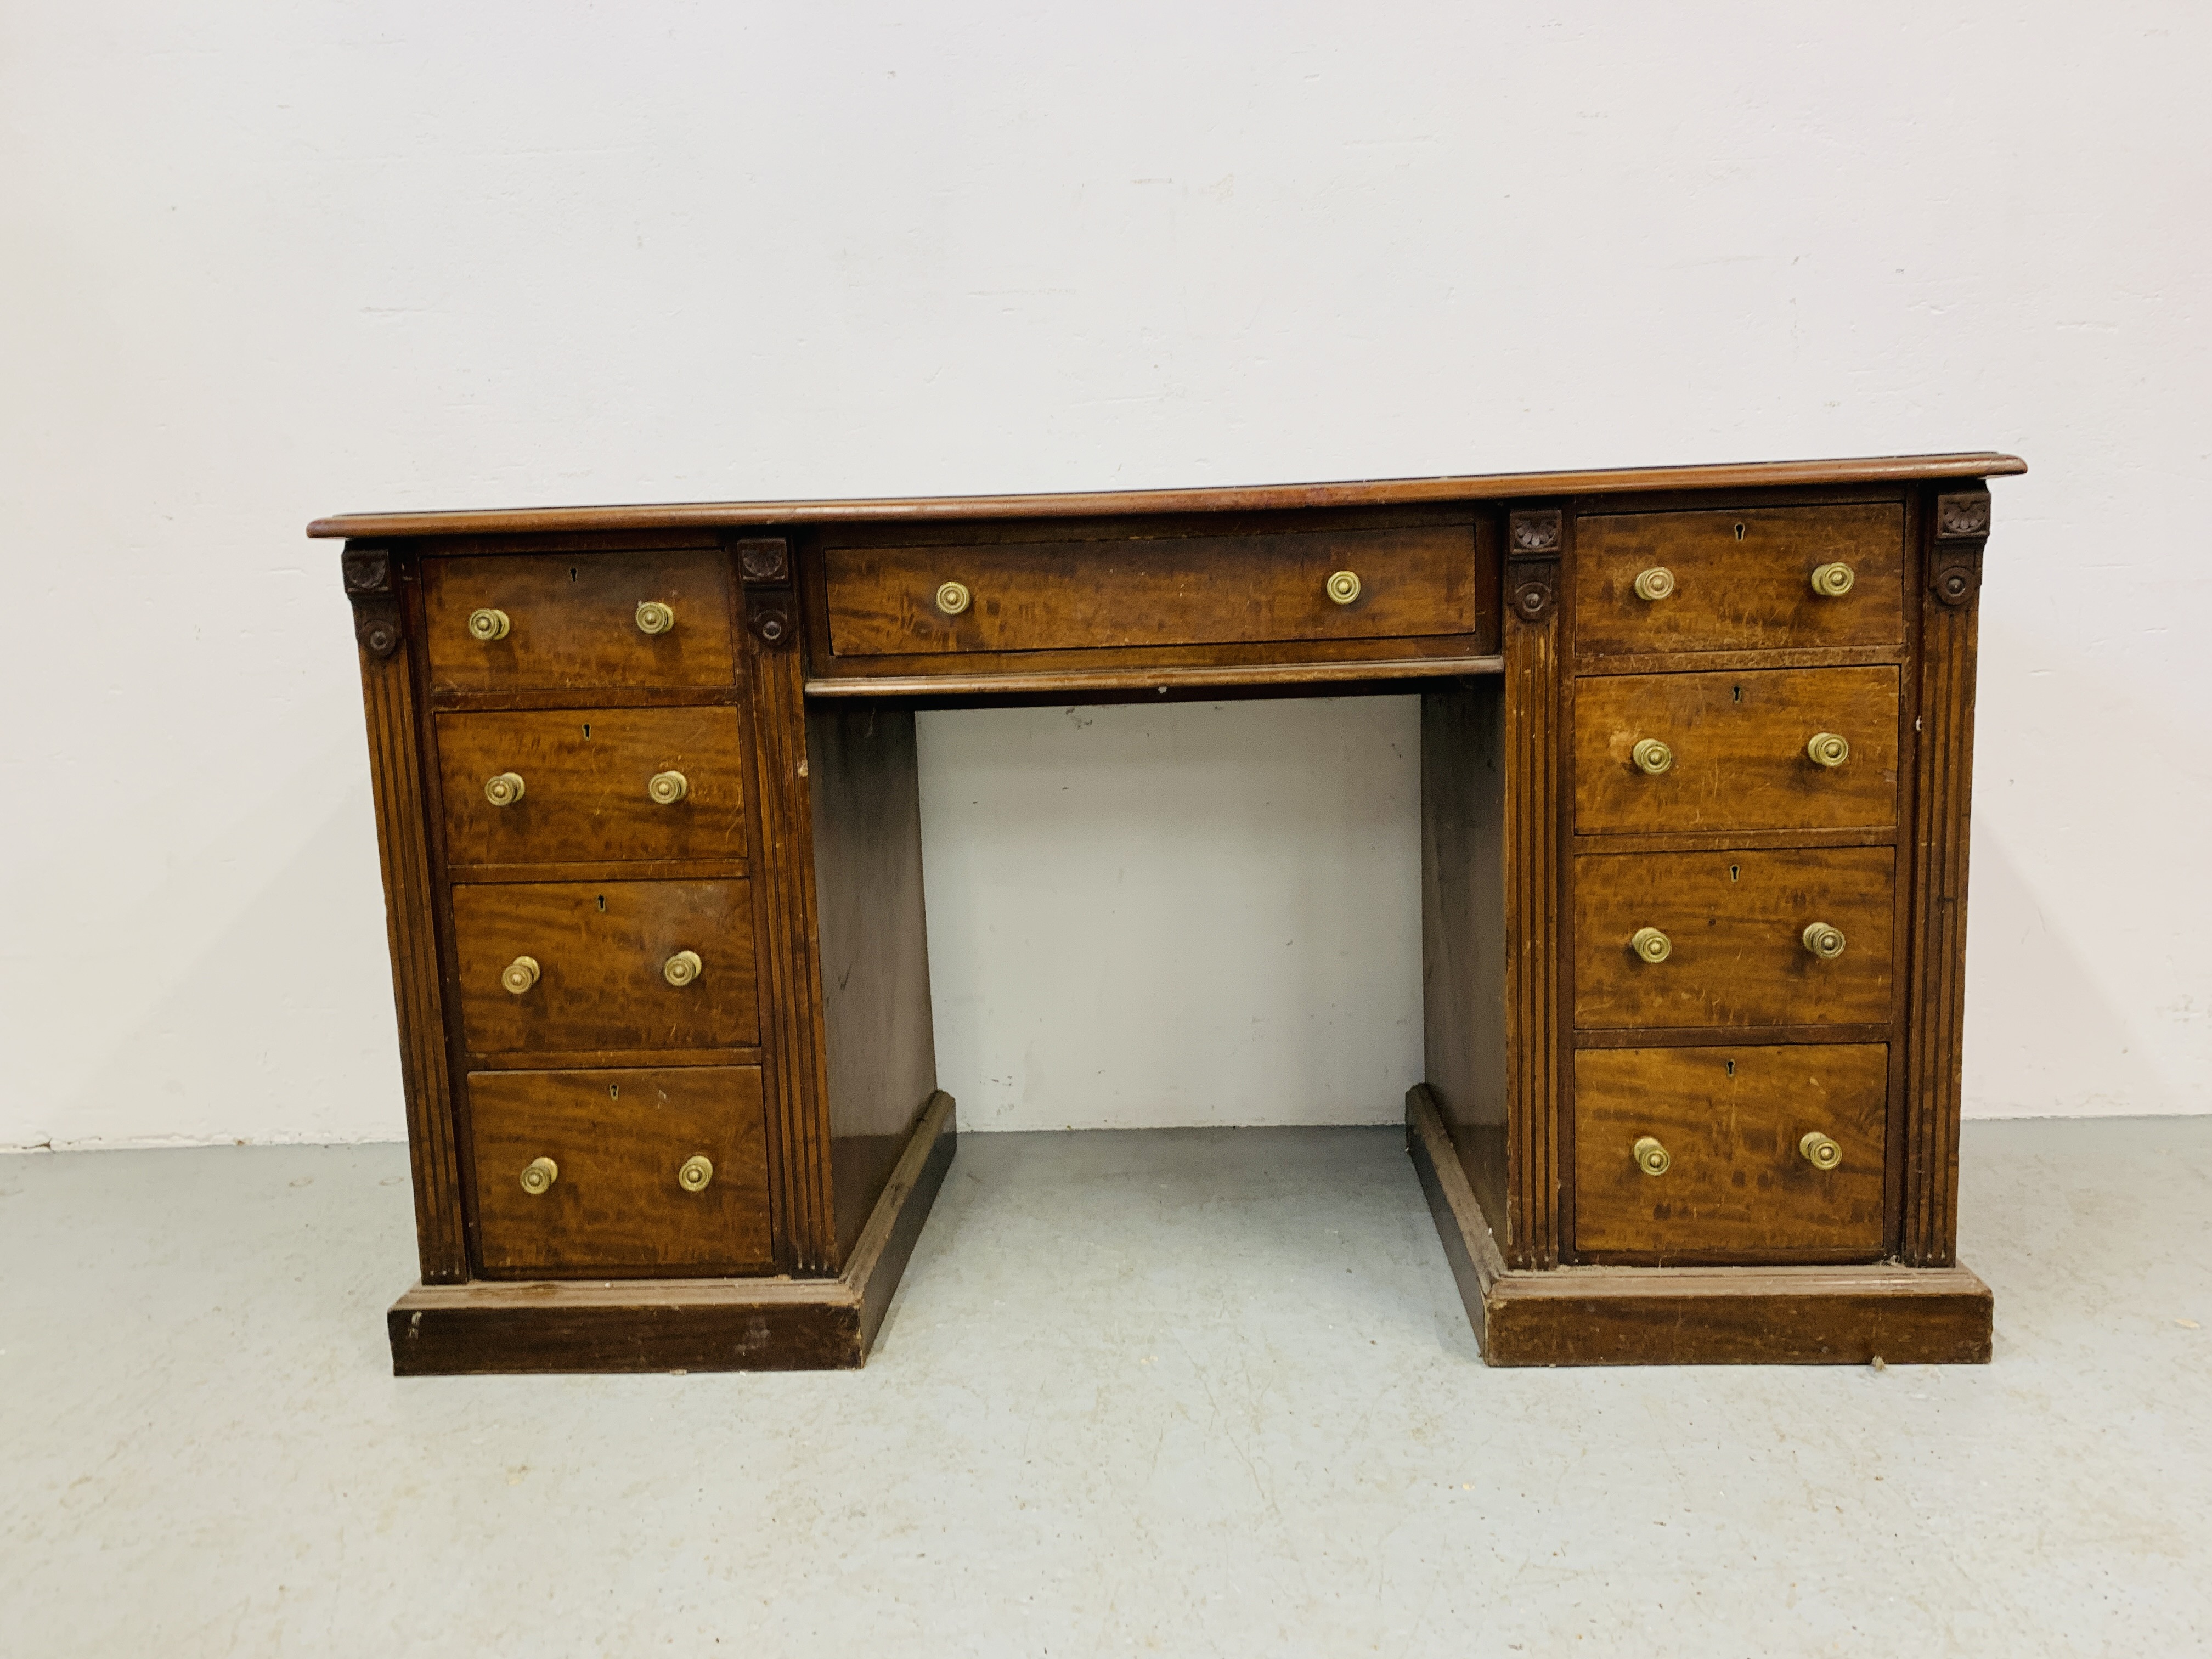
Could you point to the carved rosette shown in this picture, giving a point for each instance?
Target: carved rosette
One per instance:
(763, 559)
(1962, 530)
(1532, 571)
(368, 584)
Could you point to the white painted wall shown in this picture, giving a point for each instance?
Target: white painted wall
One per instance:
(260, 261)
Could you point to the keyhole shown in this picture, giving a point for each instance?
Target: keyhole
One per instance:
(1734, 870)
(603, 904)
(587, 728)
(613, 1089)
(1739, 694)
(1731, 1066)
(1739, 532)
(572, 568)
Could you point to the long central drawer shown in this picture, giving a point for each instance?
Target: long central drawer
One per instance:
(1047, 595)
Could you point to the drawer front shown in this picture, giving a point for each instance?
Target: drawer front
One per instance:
(573, 620)
(1739, 581)
(1738, 1186)
(1734, 926)
(618, 1200)
(601, 950)
(1161, 591)
(1737, 756)
(589, 785)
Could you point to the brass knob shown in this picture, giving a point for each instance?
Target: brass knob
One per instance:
(1819, 1151)
(1343, 586)
(1650, 944)
(666, 789)
(1822, 940)
(488, 624)
(654, 617)
(683, 968)
(698, 1169)
(1651, 756)
(504, 790)
(539, 1176)
(1828, 748)
(520, 975)
(1656, 583)
(1651, 1158)
(953, 598)
(1832, 581)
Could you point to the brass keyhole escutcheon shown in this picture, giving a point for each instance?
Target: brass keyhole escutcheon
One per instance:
(504, 790)
(654, 617)
(698, 1169)
(1651, 1158)
(1343, 586)
(666, 789)
(1819, 1151)
(1651, 757)
(953, 598)
(1650, 944)
(1832, 582)
(539, 1176)
(1656, 583)
(1822, 940)
(1828, 749)
(488, 624)
(519, 976)
(682, 969)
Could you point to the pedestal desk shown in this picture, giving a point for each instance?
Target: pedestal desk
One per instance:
(1695, 764)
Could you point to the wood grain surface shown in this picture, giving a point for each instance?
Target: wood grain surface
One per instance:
(573, 620)
(1739, 744)
(1742, 579)
(585, 773)
(1735, 921)
(618, 1139)
(600, 947)
(1738, 1189)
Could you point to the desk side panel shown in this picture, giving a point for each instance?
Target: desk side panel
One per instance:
(1463, 928)
(882, 1049)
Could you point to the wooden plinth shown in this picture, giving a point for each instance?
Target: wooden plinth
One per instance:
(1845, 1315)
(684, 1325)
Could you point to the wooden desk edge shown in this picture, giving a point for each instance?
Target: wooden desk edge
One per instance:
(1150, 679)
(1836, 1316)
(502, 1327)
(1367, 492)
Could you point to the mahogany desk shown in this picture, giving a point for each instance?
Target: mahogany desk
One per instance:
(1695, 764)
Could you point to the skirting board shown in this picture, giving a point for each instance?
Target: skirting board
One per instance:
(684, 1325)
(1846, 1315)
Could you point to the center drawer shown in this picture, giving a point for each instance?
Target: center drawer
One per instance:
(1689, 939)
(594, 783)
(1717, 1155)
(628, 1172)
(563, 968)
(1052, 595)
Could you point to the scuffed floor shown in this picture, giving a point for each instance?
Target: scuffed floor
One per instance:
(1188, 1393)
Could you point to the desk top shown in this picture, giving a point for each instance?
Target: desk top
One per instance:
(1371, 492)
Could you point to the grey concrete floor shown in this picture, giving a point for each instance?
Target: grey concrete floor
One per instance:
(1190, 1393)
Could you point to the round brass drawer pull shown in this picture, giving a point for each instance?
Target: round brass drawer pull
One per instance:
(654, 617)
(683, 968)
(666, 789)
(698, 1169)
(954, 597)
(1650, 944)
(1343, 586)
(520, 975)
(1656, 583)
(488, 624)
(1832, 582)
(1822, 940)
(504, 790)
(1651, 1158)
(1819, 1151)
(1652, 757)
(539, 1176)
(1828, 749)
